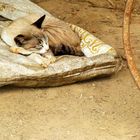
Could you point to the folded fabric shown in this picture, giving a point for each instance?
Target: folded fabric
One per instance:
(91, 45)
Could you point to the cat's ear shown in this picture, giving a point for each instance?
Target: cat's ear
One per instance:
(19, 39)
(39, 22)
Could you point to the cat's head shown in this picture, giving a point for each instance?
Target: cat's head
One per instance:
(33, 37)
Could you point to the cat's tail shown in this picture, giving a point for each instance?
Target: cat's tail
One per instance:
(66, 50)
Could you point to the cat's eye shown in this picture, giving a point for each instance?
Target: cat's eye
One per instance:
(40, 41)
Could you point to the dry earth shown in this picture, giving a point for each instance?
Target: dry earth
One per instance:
(101, 109)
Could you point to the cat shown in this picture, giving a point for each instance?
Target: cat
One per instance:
(38, 32)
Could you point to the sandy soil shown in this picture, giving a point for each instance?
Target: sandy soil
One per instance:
(103, 109)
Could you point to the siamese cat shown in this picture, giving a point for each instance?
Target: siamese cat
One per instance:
(33, 32)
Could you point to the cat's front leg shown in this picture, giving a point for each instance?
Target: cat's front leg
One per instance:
(39, 59)
(50, 56)
(19, 50)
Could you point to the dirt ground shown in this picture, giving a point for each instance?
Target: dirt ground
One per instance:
(103, 109)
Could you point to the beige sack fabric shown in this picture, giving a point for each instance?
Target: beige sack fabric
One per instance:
(20, 70)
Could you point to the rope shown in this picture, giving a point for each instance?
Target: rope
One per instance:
(126, 42)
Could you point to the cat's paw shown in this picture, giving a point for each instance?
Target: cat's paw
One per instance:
(45, 63)
(52, 59)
